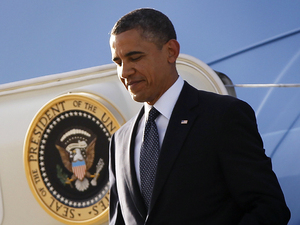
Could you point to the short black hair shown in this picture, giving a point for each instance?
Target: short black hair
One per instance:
(155, 26)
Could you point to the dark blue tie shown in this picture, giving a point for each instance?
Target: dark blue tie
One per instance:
(149, 157)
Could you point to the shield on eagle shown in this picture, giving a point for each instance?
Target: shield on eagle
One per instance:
(79, 169)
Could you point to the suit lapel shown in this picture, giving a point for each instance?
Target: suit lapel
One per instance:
(180, 123)
(129, 169)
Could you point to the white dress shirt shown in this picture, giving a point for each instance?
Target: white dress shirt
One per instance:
(164, 105)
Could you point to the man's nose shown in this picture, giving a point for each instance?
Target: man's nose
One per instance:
(125, 70)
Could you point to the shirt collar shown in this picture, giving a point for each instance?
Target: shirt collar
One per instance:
(167, 101)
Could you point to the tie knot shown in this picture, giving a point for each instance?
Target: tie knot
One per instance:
(153, 114)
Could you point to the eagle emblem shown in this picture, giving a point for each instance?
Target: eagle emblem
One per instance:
(77, 156)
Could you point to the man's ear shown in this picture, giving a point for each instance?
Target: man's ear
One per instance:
(173, 50)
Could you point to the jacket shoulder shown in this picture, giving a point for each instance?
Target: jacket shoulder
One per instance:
(215, 100)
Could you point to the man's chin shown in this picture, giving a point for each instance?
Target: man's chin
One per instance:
(137, 98)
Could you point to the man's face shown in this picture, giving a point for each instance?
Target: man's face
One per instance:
(142, 67)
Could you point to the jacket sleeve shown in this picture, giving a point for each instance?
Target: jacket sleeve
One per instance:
(115, 214)
(248, 171)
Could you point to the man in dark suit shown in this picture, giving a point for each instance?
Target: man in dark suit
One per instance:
(211, 168)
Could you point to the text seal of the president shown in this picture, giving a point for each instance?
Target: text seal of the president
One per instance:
(66, 157)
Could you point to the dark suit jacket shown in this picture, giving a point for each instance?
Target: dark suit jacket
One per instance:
(212, 170)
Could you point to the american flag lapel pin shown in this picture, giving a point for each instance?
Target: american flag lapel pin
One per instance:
(184, 121)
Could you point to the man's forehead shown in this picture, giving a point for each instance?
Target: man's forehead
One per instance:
(112, 40)
(128, 41)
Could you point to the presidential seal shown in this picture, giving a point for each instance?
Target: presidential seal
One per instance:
(66, 157)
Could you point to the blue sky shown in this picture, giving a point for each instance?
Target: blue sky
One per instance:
(40, 38)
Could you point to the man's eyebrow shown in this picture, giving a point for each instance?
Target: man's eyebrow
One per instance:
(133, 53)
(115, 59)
(128, 55)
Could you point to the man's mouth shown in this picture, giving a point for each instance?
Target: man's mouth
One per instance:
(133, 85)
